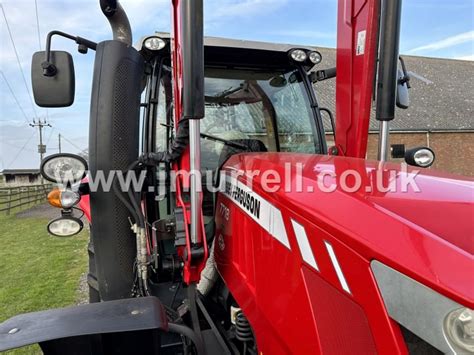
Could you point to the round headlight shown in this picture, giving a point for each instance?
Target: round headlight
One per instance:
(69, 198)
(154, 43)
(422, 156)
(65, 226)
(298, 55)
(63, 168)
(459, 329)
(315, 57)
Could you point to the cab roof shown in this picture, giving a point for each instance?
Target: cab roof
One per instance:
(241, 53)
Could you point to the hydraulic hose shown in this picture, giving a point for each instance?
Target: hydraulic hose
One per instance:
(122, 199)
(175, 150)
(189, 333)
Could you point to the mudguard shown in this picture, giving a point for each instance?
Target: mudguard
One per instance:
(60, 330)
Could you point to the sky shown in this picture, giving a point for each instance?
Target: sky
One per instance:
(433, 28)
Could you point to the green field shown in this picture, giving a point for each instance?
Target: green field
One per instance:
(38, 271)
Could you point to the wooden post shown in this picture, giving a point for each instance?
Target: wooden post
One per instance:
(9, 201)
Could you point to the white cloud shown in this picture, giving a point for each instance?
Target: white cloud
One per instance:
(466, 57)
(449, 42)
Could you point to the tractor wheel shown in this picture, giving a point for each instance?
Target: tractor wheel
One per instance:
(94, 295)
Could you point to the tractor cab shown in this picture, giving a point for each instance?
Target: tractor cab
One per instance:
(258, 97)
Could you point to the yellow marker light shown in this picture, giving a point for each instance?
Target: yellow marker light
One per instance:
(63, 199)
(54, 198)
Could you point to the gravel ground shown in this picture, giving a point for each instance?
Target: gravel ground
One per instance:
(40, 211)
(83, 290)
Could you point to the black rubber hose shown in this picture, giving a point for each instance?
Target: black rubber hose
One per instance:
(176, 148)
(132, 206)
(189, 333)
(122, 199)
(141, 219)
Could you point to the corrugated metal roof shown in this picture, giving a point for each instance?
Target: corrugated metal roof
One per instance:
(446, 104)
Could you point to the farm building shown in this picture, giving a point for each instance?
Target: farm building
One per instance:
(440, 116)
(12, 177)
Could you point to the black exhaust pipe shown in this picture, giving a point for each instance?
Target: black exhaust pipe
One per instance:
(118, 20)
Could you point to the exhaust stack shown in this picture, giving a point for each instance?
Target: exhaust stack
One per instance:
(118, 20)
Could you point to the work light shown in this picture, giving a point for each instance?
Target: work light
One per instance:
(154, 43)
(423, 157)
(65, 226)
(298, 55)
(63, 168)
(315, 57)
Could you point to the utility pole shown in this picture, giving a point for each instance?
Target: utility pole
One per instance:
(41, 147)
(59, 142)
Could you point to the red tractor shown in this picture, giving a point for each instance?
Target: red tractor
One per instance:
(221, 223)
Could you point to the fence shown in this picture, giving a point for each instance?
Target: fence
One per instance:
(20, 197)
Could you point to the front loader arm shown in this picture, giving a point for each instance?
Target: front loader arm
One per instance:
(188, 76)
(357, 42)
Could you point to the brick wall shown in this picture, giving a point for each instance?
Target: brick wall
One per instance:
(454, 150)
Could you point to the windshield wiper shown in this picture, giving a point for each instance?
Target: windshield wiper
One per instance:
(225, 141)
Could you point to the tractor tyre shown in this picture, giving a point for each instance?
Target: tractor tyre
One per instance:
(94, 295)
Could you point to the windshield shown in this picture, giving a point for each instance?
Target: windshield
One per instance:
(248, 105)
(245, 104)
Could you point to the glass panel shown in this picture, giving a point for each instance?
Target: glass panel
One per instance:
(164, 110)
(245, 104)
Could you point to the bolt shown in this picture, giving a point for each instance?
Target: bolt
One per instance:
(467, 324)
(13, 331)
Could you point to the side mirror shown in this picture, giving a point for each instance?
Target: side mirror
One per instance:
(423, 157)
(403, 97)
(53, 82)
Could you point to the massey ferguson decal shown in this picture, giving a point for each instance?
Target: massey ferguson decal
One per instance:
(245, 199)
(260, 210)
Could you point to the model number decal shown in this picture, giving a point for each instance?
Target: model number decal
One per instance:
(225, 211)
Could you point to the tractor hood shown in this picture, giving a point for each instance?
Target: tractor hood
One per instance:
(419, 222)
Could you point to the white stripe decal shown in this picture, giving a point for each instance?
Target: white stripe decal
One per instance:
(260, 210)
(303, 243)
(337, 267)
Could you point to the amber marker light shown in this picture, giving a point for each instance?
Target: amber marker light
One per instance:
(54, 198)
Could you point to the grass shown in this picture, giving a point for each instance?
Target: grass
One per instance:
(37, 271)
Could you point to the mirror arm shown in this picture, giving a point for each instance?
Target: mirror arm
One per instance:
(321, 75)
(49, 69)
(406, 77)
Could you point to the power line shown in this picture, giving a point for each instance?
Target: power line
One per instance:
(21, 150)
(18, 147)
(38, 24)
(41, 147)
(14, 96)
(18, 60)
(49, 137)
(71, 143)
